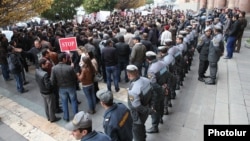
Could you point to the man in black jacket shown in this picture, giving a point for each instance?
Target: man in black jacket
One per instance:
(123, 52)
(46, 89)
(109, 57)
(233, 33)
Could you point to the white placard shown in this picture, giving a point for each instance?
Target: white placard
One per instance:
(103, 15)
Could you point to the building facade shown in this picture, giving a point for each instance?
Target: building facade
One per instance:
(243, 5)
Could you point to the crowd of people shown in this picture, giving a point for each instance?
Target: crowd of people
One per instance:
(155, 52)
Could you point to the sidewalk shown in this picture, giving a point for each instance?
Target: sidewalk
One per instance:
(196, 104)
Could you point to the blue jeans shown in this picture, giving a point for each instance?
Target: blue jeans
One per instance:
(230, 46)
(89, 92)
(112, 70)
(19, 82)
(66, 93)
(5, 71)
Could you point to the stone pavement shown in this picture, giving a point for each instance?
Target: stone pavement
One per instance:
(196, 104)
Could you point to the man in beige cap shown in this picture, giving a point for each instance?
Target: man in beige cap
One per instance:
(117, 121)
(81, 127)
(139, 97)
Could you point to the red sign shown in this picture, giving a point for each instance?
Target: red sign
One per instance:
(68, 44)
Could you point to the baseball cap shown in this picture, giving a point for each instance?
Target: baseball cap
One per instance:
(168, 40)
(104, 95)
(183, 32)
(131, 68)
(81, 120)
(207, 28)
(162, 47)
(150, 53)
(217, 27)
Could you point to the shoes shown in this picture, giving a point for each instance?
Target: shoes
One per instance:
(201, 79)
(177, 87)
(153, 130)
(227, 58)
(161, 121)
(24, 91)
(173, 95)
(91, 112)
(56, 119)
(210, 82)
(9, 79)
(26, 82)
(117, 90)
(79, 102)
(181, 84)
(165, 111)
(204, 76)
(170, 105)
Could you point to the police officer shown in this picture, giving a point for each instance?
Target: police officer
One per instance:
(139, 96)
(202, 48)
(180, 63)
(216, 49)
(169, 60)
(117, 121)
(157, 102)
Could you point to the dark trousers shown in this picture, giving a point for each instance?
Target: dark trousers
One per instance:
(238, 42)
(122, 66)
(146, 65)
(203, 65)
(49, 106)
(213, 69)
(104, 72)
(57, 98)
(156, 116)
(139, 132)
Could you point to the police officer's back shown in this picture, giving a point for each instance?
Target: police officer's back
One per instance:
(117, 121)
(139, 96)
(157, 102)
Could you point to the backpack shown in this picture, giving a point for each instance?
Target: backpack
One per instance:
(14, 64)
(10, 64)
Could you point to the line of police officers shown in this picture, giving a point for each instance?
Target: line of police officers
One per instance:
(166, 72)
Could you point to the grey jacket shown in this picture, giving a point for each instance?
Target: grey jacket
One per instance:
(216, 48)
(63, 75)
(138, 54)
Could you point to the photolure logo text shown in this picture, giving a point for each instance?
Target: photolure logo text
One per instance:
(235, 133)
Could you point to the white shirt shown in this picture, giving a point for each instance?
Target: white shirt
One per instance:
(165, 35)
